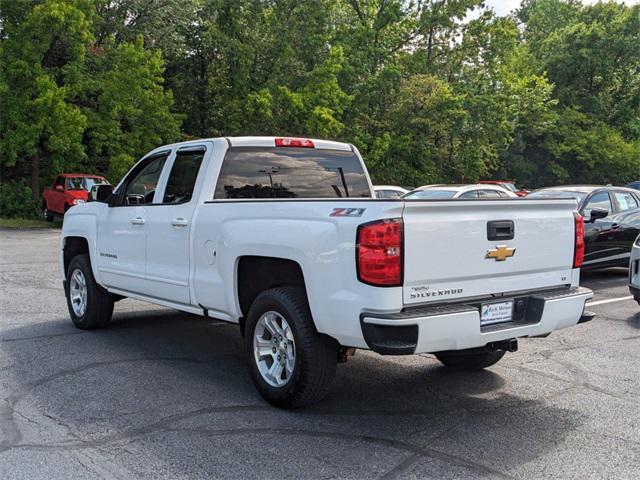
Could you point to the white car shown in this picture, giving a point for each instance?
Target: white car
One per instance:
(389, 191)
(634, 270)
(445, 192)
(283, 237)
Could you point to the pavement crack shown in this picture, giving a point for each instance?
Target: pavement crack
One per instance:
(38, 337)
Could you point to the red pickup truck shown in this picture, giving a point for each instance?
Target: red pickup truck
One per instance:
(68, 190)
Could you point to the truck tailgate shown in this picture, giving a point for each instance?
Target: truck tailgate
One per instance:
(449, 256)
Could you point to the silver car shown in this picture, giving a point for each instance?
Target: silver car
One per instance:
(634, 270)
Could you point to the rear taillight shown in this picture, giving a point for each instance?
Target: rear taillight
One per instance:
(578, 249)
(294, 142)
(379, 253)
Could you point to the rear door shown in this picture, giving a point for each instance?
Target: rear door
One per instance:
(625, 222)
(464, 249)
(169, 224)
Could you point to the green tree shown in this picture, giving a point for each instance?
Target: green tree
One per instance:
(42, 54)
(129, 111)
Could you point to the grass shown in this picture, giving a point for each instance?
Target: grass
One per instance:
(28, 223)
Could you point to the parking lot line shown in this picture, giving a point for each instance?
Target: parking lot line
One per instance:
(609, 300)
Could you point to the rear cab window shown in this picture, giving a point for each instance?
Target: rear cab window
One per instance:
(291, 172)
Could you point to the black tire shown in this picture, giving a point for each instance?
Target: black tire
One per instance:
(316, 355)
(99, 302)
(469, 360)
(46, 213)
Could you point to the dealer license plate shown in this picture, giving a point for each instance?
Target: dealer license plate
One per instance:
(498, 312)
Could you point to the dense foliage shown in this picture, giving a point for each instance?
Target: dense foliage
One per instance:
(427, 90)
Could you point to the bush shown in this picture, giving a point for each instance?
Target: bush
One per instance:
(16, 201)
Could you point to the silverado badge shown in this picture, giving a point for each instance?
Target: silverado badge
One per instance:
(501, 253)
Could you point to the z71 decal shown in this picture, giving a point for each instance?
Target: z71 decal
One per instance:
(347, 212)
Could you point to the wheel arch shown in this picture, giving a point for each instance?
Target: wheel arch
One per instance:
(255, 274)
(73, 246)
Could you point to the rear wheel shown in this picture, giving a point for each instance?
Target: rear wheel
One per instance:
(46, 213)
(469, 360)
(291, 364)
(90, 306)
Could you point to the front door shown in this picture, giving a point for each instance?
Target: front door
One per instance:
(123, 230)
(169, 224)
(56, 198)
(598, 236)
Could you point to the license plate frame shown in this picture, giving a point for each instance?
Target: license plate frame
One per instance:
(493, 313)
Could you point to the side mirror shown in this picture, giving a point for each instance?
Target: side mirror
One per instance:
(60, 188)
(101, 193)
(597, 213)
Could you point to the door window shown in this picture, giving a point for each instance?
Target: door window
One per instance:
(182, 178)
(470, 194)
(142, 186)
(489, 194)
(599, 200)
(59, 182)
(625, 201)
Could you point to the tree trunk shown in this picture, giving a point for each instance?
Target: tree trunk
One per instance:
(35, 177)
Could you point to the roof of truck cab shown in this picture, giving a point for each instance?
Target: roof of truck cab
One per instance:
(260, 141)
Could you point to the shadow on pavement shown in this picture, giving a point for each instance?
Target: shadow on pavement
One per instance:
(168, 383)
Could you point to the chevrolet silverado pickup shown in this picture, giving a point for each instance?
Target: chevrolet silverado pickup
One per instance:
(283, 236)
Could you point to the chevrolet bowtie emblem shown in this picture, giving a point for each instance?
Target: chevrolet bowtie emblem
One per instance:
(501, 253)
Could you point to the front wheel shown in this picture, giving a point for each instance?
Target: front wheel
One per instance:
(291, 364)
(90, 306)
(469, 360)
(46, 213)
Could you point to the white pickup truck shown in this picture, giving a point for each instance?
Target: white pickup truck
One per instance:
(283, 237)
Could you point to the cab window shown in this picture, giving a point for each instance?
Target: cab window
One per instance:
(259, 172)
(625, 201)
(142, 186)
(182, 178)
(59, 182)
(599, 200)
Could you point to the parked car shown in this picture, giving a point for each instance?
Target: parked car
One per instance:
(445, 192)
(635, 185)
(388, 191)
(612, 221)
(68, 189)
(283, 237)
(634, 271)
(509, 185)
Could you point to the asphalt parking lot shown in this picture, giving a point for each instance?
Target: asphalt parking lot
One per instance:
(160, 394)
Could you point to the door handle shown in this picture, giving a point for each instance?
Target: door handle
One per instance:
(615, 225)
(179, 222)
(137, 221)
